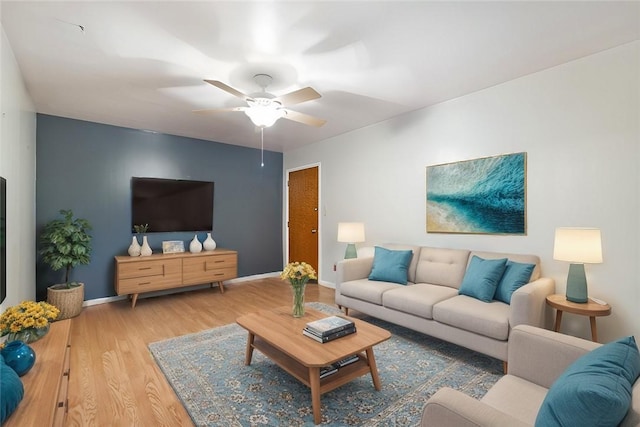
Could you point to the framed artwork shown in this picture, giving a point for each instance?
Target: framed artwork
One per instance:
(480, 196)
(172, 246)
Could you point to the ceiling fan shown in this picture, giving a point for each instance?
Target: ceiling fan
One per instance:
(264, 109)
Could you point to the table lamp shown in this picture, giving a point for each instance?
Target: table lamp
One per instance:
(350, 233)
(578, 246)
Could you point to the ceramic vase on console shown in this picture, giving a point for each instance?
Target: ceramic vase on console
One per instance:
(145, 250)
(29, 335)
(19, 357)
(195, 246)
(209, 244)
(134, 249)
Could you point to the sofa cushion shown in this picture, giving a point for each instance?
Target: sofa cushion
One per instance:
(523, 258)
(515, 276)
(411, 271)
(366, 290)
(482, 277)
(417, 299)
(490, 319)
(390, 266)
(441, 266)
(595, 389)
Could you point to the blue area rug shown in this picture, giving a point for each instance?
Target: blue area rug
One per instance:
(208, 374)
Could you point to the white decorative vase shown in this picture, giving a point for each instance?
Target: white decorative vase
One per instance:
(146, 249)
(209, 244)
(134, 249)
(195, 246)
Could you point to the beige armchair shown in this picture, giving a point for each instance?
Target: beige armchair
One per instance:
(536, 358)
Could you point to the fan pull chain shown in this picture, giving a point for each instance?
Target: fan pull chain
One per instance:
(262, 147)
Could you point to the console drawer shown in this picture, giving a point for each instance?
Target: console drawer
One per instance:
(145, 276)
(212, 268)
(148, 268)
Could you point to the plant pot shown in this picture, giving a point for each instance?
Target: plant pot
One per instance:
(68, 300)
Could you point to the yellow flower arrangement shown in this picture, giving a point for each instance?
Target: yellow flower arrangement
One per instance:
(298, 273)
(28, 316)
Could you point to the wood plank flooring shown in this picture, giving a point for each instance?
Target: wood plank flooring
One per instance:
(114, 380)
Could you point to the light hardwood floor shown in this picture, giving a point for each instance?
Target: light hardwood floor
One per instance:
(114, 380)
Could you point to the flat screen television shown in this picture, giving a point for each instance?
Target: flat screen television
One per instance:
(171, 204)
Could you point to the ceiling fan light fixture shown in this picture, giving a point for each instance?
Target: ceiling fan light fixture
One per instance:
(264, 109)
(264, 112)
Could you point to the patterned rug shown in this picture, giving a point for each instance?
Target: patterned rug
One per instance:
(208, 374)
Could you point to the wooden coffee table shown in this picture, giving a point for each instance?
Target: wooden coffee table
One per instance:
(278, 335)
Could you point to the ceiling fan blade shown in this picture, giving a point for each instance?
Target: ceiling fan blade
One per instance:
(298, 96)
(229, 89)
(220, 110)
(303, 118)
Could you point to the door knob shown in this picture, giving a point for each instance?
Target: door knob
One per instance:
(314, 231)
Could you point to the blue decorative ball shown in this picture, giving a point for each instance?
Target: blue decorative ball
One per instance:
(19, 357)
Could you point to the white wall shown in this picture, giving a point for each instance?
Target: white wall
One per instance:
(578, 124)
(18, 167)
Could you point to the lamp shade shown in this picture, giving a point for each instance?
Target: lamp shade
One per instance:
(578, 245)
(350, 232)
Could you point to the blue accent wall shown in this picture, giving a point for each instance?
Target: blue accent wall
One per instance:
(87, 167)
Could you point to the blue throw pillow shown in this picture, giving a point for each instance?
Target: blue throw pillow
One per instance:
(11, 390)
(514, 277)
(595, 390)
(390, 266)
(482, 277)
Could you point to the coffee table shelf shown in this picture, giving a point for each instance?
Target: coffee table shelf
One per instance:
(302, 373)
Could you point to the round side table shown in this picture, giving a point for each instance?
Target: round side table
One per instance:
(590, 308)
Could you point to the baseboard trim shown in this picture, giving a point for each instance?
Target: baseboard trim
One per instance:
(105, 300)
(327, 284)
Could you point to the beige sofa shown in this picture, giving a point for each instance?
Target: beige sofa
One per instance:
(536, 358)
(430, 303)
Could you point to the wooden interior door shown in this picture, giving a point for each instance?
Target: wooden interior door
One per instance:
(303, 216)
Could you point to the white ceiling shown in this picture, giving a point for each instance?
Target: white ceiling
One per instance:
(142, 64)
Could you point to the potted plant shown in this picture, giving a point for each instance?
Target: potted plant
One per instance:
(66, 243)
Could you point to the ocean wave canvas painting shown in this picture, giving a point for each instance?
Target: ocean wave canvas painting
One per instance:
(480, 196)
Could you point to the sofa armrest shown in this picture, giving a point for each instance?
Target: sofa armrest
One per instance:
(449, 407)
(353, 269)
(528, 304)
(540, 356)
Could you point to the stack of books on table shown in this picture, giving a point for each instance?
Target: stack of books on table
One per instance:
(329, 328)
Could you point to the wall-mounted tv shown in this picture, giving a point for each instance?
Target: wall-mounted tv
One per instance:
(171, 204)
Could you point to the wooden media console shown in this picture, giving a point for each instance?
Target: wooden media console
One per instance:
(136, 275)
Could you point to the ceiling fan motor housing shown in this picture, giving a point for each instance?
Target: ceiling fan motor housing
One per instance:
(263, 80)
